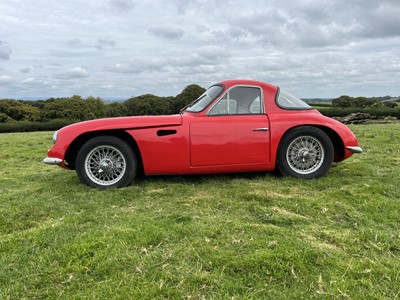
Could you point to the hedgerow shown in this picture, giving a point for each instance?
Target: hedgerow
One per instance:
(28, 126)
(374, 112)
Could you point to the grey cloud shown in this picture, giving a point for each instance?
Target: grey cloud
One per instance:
(105, 43)
(167, 32)
(381, 22)
(122, 5)
(344, 22)
(206, 57)
(74, 42)
(181, 5)
(269, 27)
(316, 23)
(5, 51)
(101, 43)
(25, 69)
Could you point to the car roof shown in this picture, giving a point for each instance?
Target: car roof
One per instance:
(233, 82)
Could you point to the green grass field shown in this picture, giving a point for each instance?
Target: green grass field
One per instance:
(240, 236)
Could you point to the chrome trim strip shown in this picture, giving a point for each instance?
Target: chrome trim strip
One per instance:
(52, 161)
(261, 129)
(355, 149)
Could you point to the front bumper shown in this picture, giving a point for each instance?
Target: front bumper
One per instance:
(354, 149)
(52, 161)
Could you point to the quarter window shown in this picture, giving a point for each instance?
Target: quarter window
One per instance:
(288, 101)
(239, 100)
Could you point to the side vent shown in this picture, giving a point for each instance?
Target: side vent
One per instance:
(166, 132)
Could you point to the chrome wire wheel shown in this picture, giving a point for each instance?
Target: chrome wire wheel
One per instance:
(305, 155)
(105, 165)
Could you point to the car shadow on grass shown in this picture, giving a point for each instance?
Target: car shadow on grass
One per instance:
(202, 178)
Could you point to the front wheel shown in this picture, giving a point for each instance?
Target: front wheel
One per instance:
(106, 161)
(305, 152)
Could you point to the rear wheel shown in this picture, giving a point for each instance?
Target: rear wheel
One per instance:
(305, 152)
(105, 162)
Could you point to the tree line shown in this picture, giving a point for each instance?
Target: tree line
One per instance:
(376, 107)
(363, 102)
(53, 113)
(76, 108)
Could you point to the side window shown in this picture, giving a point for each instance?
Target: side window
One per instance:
(240, 100)
(225, 106)
(255, 106)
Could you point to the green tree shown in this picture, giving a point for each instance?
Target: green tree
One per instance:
(5, 118)
(116, 109)
(96, 106)
(73, 108)
(365, 102)
(189, 94)
(359, 102)
(343, 101)
(148, 105)
(389, 104)
(19, 111)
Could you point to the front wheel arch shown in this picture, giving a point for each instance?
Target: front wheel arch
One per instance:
(106, 161)
(77, 144)
(305, 152)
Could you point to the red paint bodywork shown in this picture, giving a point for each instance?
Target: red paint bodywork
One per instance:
(203, 143)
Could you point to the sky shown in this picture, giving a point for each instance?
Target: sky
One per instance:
(125, 48)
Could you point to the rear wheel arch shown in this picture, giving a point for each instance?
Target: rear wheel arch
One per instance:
(313, 134)
(337, 142)
(77, 144)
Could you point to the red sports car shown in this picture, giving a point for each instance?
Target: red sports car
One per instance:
(235, 126)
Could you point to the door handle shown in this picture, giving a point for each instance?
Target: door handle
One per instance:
(261, 129)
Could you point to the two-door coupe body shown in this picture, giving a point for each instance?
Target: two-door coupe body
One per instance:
(235, 126)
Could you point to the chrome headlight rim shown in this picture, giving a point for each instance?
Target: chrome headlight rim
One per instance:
(55, 135)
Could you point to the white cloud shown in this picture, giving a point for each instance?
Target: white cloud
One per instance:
(5, 79)
(138, 66)
(33, 81)
(77, 72)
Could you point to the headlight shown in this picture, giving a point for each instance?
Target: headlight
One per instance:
(55, 137)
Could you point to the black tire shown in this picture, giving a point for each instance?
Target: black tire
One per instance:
(305, 152)
(106, 162)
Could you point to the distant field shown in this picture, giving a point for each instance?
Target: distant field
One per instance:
(240, 236)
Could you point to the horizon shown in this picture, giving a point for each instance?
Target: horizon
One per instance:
(121, 99)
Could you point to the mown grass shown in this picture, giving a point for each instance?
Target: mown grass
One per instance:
(240, 236)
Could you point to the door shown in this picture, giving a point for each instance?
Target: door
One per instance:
(235, 131)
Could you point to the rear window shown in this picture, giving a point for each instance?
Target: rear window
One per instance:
(288, 101)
